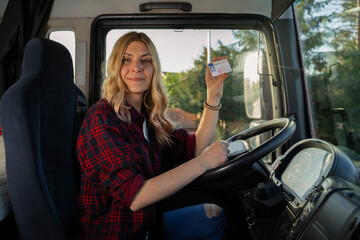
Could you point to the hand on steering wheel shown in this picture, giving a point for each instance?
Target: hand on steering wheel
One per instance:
(242, 161)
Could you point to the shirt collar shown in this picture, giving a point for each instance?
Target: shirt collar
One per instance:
(135, 116)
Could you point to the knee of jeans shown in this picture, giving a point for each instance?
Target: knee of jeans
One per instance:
(212, 210)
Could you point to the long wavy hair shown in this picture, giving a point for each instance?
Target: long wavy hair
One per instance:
(154, 104)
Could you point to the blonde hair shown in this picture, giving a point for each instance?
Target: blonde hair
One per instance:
(154, 104)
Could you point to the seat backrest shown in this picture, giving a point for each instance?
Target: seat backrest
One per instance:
(39, 116)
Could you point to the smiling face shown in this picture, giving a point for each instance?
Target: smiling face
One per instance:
(137, 69)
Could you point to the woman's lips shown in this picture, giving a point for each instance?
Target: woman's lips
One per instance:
(136, 79)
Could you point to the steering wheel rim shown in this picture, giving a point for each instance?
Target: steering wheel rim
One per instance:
(239, 162)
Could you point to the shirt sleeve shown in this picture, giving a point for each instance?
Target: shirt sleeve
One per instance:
(107, 159)
(183, 147)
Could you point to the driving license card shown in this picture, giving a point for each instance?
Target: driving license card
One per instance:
(219, 67)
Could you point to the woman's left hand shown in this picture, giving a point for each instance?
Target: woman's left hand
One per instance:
(214, 85)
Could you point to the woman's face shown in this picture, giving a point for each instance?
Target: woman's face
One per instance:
(137, 68)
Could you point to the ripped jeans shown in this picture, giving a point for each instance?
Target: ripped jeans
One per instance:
(192, 223)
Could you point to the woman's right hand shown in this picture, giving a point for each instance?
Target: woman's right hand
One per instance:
(168, 183)
(214, 155)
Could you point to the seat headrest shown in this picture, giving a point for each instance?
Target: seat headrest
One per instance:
(44, 56)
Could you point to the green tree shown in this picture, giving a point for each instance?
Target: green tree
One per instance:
(187, 90)
(332, 60)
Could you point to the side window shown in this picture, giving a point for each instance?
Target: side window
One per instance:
(184, 63)
(329, 32)
(66, 38)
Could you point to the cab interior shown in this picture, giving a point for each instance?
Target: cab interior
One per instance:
(280, 182)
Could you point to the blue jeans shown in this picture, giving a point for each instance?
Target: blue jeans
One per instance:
(192, 223)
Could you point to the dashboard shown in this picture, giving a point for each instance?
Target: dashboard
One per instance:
(313, 193)
(301, 170)
(306, 170)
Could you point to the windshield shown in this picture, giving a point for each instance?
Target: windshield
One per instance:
(183, 71)
(330, 35)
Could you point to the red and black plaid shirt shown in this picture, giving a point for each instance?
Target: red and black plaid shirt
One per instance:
(115, 159)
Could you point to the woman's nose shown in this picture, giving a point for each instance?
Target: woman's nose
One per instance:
(137, 66)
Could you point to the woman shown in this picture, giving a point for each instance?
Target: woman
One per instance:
(126, 138)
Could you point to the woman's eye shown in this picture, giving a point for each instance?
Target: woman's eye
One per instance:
(146, 60)
(126, 60)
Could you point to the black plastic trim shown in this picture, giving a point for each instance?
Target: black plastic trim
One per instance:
(183, 6)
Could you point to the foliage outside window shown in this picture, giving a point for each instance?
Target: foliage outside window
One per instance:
(330, 42)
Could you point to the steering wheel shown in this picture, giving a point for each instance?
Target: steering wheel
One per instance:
(241, 162)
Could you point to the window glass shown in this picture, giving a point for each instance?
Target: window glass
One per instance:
(330, 37)
(66, 38)
(184, 56)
